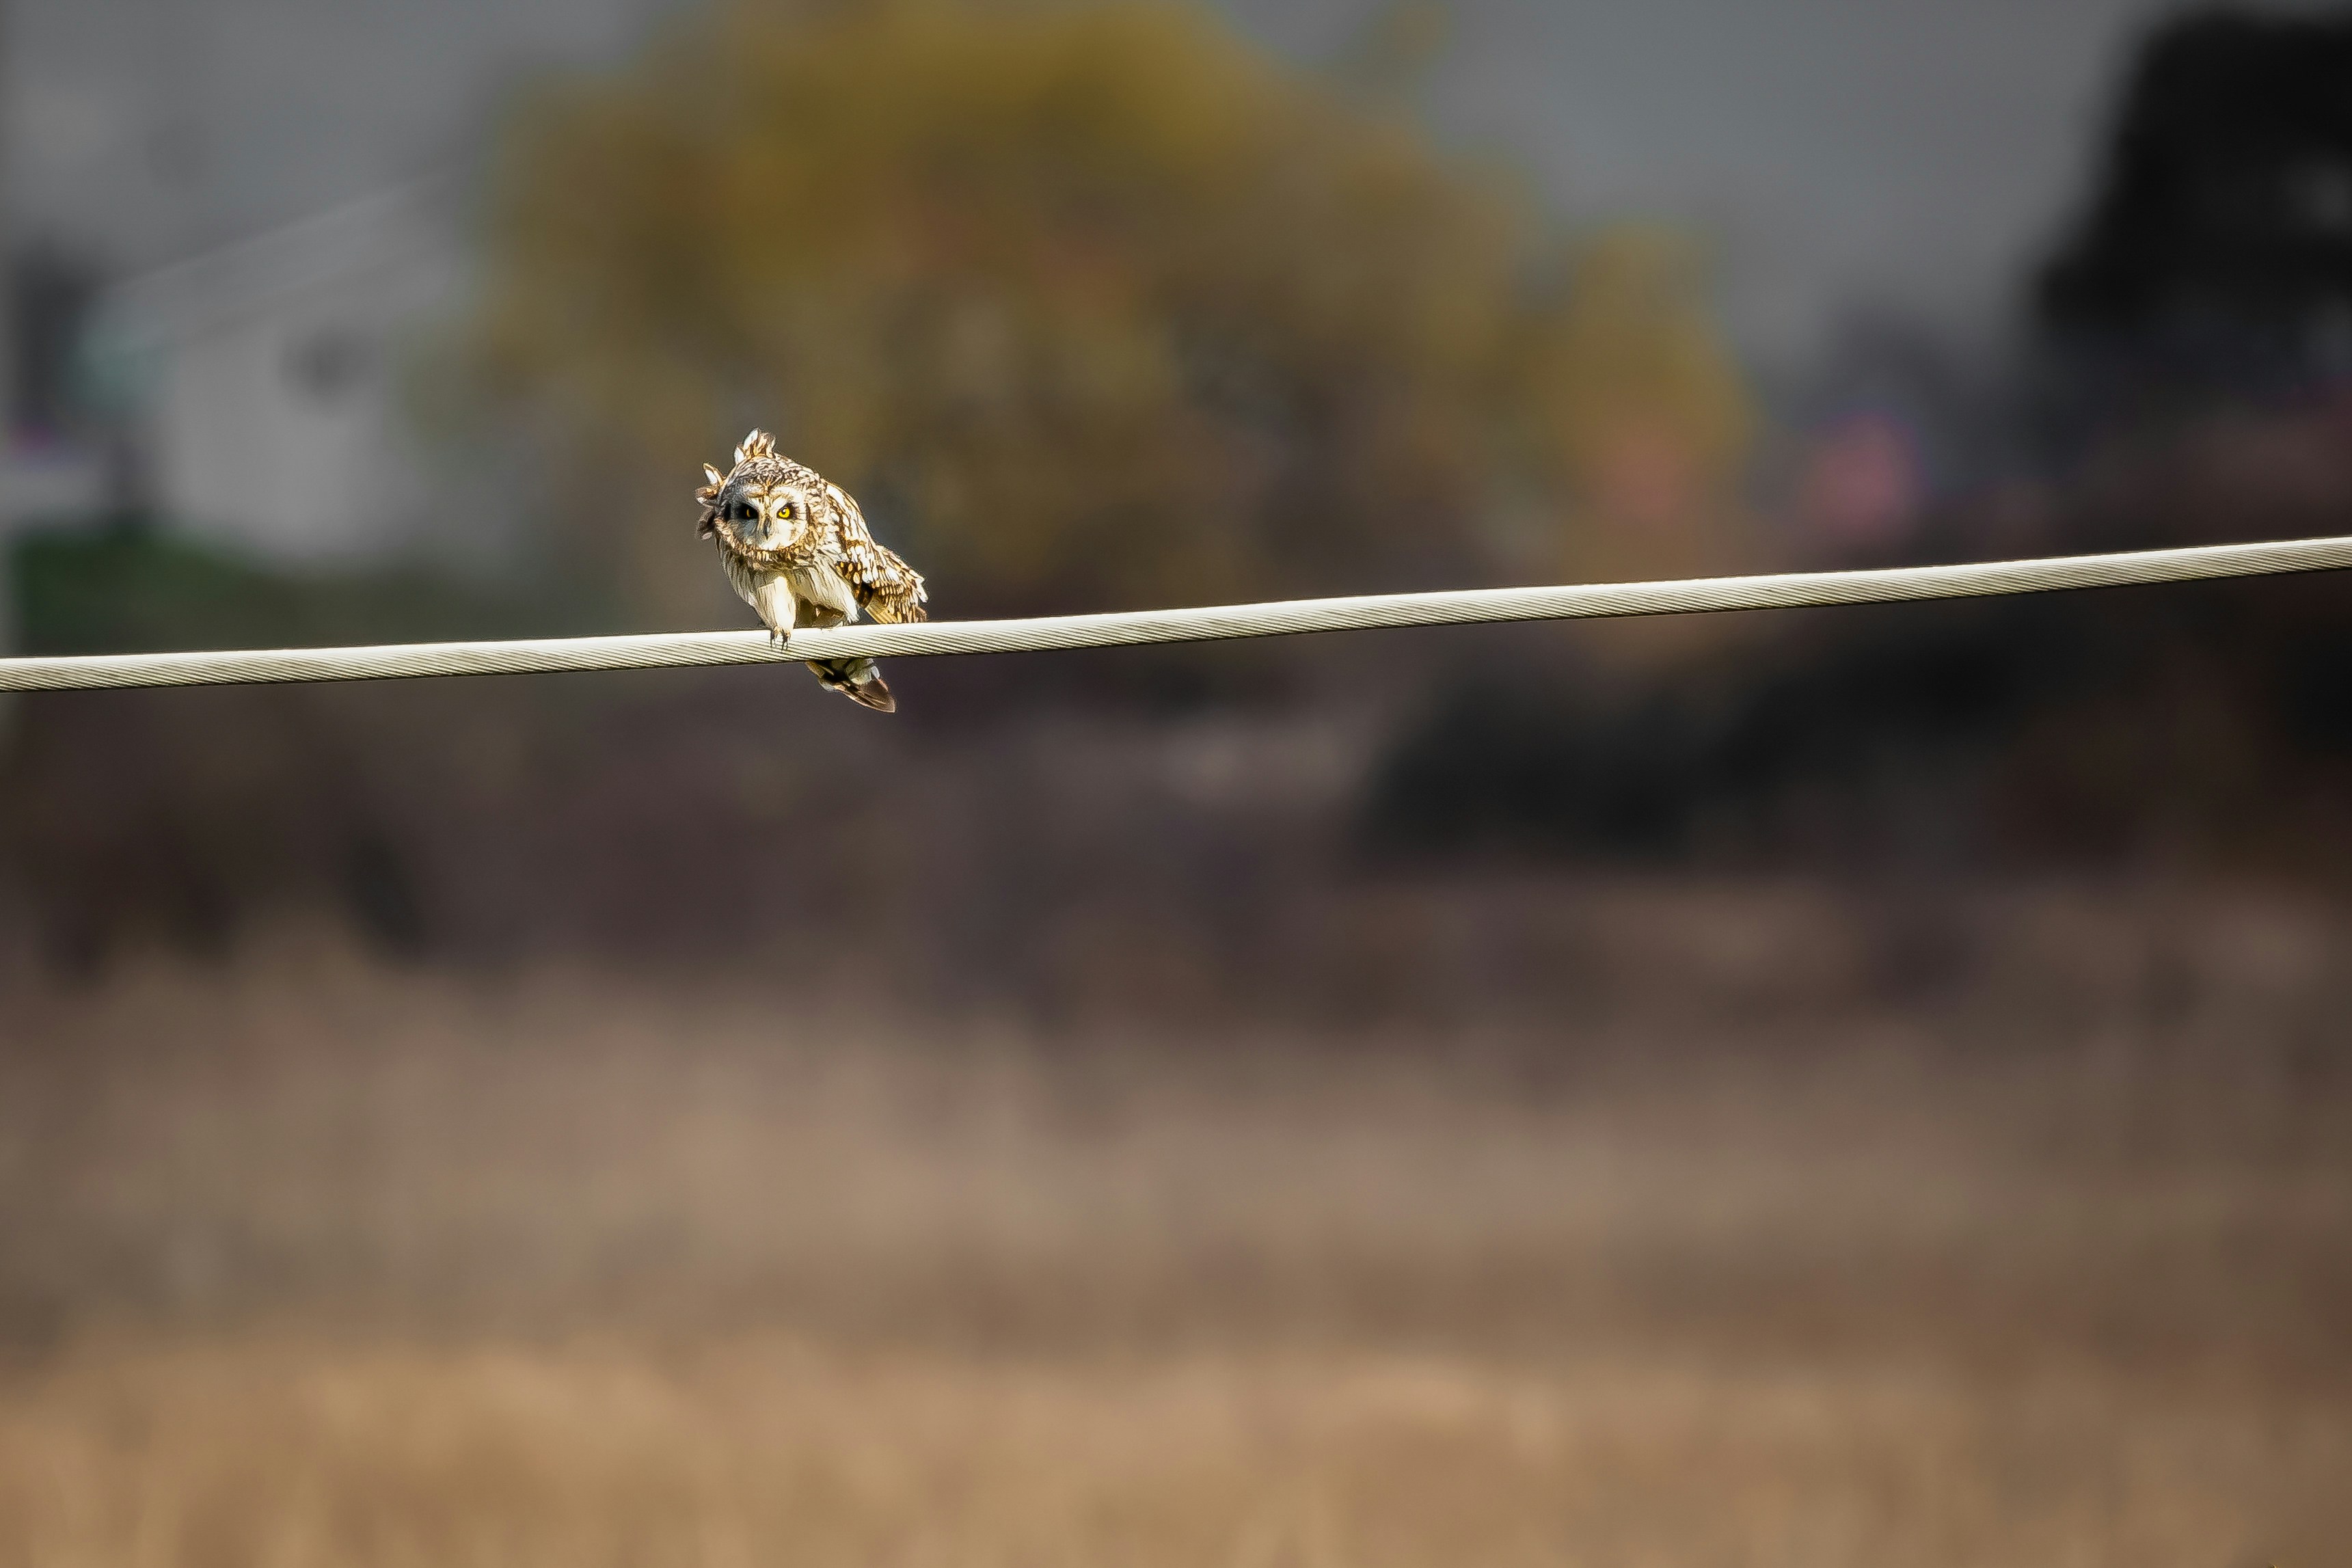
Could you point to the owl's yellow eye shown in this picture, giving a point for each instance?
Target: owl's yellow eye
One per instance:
(786, 511)
(747, 511)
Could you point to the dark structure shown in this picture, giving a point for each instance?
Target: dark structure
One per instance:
(49, 297)
(2216, 254)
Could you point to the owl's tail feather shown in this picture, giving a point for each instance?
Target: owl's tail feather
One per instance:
(859, 679)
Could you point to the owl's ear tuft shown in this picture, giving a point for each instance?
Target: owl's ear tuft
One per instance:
(758, 443)
(714, 476)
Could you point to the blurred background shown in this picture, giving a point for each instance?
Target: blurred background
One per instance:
(1818, 1087)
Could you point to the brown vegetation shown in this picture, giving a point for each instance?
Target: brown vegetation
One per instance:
(1789, 1247)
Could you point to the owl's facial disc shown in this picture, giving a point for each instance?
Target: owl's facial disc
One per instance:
(768, 519)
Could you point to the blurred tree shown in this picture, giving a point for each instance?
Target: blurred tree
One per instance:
(1089, 305)
(1649, 417)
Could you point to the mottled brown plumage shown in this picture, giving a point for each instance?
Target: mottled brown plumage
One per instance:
(795, 547)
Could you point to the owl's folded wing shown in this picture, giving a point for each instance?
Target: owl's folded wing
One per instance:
(888, 588)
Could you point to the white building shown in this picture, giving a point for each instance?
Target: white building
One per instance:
(266, 379)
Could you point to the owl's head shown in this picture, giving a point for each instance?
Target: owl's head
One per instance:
(764, 503)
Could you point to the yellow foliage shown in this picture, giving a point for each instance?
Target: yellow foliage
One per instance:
(1635, 348)
(1650, 416)
(1089, 304)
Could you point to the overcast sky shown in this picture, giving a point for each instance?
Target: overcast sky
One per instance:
(1910, 155)
(1904, 155)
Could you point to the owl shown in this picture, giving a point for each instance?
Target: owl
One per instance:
(795, 547)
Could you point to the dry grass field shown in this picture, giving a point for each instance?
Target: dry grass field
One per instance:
(759, 1450)
(1788, 1255)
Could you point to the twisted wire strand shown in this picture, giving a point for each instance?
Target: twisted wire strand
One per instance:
(683, 649)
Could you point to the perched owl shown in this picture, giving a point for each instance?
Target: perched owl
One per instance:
(795, 547)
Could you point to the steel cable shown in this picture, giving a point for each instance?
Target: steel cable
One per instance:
(682, 649)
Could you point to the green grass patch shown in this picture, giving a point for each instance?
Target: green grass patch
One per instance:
(142, 590)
